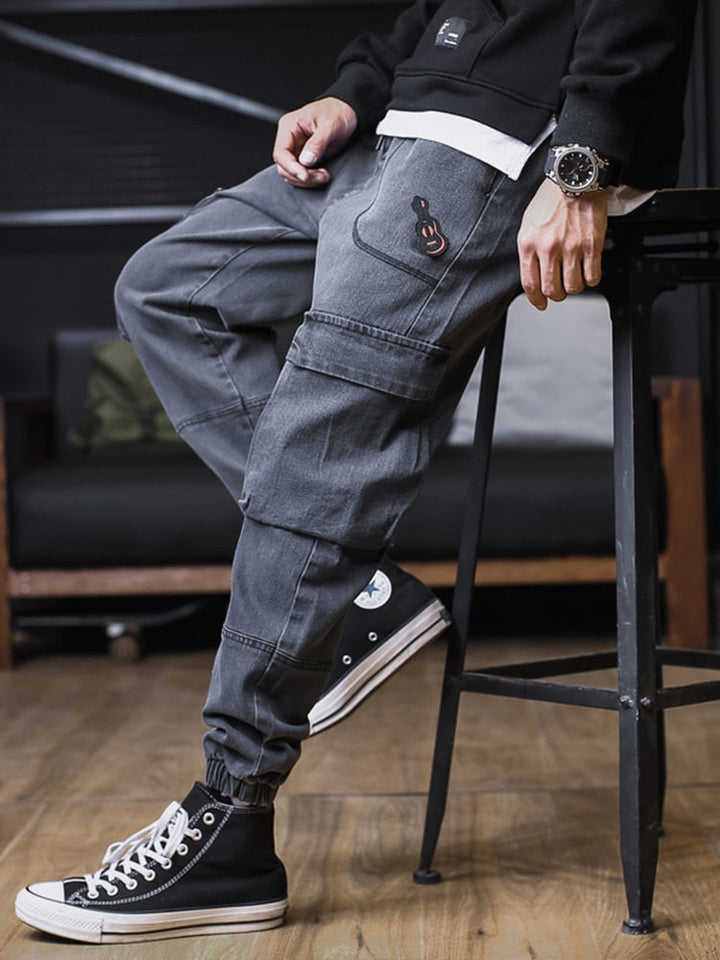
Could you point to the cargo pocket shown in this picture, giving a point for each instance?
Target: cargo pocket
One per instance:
(417, 221)
(341, 447)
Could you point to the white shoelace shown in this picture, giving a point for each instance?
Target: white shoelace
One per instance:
(155, 844)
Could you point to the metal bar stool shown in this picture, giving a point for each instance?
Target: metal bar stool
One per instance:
(635, 272)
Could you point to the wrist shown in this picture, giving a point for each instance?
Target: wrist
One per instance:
(343, 109)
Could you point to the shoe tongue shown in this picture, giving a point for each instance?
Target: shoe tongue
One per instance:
(198, 798)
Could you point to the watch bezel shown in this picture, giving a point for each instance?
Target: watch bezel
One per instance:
(592, 173)
(599, 165)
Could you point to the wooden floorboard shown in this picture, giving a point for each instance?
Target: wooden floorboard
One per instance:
(93, 750)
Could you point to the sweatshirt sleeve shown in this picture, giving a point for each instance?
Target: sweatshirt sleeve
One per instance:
(622, 79)
(366, 66)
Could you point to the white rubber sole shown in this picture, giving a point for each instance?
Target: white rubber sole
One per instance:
(96, 926)
(378, 666)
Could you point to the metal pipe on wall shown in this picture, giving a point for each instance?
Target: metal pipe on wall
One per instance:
(138, 73)
(148, 76)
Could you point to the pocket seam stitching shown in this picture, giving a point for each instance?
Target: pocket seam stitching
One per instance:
(379, 255)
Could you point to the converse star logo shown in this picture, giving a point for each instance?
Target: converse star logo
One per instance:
(376, 593)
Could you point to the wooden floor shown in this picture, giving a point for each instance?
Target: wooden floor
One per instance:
(93, 750)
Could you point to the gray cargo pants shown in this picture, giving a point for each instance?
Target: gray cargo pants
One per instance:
(401, 266)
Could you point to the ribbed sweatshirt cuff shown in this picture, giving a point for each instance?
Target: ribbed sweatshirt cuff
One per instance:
(357, 85)
(594, 123)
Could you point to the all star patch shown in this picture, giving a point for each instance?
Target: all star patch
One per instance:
(429, 237)
(376, 593)
(451, 32)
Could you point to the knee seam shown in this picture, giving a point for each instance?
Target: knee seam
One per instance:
(315, 666)
(237, 406)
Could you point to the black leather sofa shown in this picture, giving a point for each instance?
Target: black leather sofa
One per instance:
(79, 524)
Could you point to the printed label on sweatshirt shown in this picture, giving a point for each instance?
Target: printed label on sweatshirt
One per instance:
(451, 32)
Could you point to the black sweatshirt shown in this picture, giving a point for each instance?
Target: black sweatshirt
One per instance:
(614, 71)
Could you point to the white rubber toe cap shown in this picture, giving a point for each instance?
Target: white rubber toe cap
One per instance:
(42, 905)
(52, 890)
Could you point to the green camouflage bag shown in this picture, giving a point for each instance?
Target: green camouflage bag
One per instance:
(125, 413)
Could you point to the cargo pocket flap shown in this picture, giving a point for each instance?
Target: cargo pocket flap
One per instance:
(369, 356)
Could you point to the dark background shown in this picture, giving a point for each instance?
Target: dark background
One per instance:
(74, 138)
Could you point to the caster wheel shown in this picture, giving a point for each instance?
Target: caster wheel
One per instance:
(125, 645)
(20, 639)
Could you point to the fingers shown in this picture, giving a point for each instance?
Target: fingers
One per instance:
(554, 274)
(316, 147)
(573, 279)
(308, 135)
(551, 275)
(541, 270)
(560, 244)
(592, 266)
(291, 157)
(582, 264)
(530, 278)
(308, 178)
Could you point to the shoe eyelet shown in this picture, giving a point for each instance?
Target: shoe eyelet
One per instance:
(93, 896)
(182, 849)
(372, 637)
(131, 884)
(209, 818)
(113, 892)
(195, 834)
(167, 865)
(150, 875)
(347, 659)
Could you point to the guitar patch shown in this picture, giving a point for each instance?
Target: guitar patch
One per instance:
(429, 237)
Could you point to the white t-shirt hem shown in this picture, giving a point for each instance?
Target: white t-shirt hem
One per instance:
(499, 150)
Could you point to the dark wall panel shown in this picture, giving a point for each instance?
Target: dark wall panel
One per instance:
(75, 138)
(53, 279)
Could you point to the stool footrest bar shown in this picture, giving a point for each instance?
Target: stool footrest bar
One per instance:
(691, 693)
(527, 689)
(680, 657)
(555, 666)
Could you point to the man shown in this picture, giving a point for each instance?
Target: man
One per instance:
(507, 131)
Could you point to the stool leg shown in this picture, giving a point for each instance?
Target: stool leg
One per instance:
(462, 603)
(636, 600)
(5, 630)
(442, 757)
(661, 755)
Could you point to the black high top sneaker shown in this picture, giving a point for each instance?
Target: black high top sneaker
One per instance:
(389, 621)
(203, 867)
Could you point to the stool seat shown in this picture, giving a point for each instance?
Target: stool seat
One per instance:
(673, 212)
(636, 269)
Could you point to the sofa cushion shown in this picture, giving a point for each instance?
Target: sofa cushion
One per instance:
(115, 510)
(556, 381)
(541, 501)
(79, 511)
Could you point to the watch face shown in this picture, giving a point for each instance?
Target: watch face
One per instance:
(576, 169)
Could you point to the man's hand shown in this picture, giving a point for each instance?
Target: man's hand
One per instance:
(560, 243)
(308, 135)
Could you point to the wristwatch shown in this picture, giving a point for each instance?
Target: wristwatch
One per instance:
(577, 169)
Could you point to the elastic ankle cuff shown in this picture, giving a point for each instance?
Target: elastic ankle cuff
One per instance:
(252, 792)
